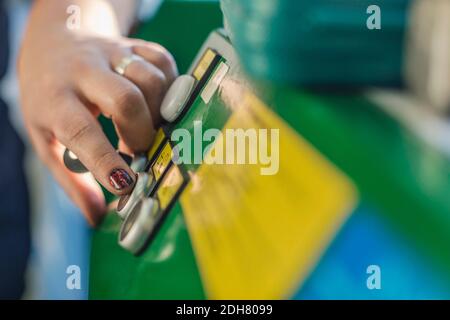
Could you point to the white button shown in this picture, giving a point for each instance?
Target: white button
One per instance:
(139, 163)
(128, 202)
(177, 97)
(138, 226)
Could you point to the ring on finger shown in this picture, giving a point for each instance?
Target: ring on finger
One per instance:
(122, 66)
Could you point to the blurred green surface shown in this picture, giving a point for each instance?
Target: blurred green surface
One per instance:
(319, 43)
(166, 271)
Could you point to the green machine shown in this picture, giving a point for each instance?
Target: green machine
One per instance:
(354, 186)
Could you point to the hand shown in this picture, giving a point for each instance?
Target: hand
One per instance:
(67, 81)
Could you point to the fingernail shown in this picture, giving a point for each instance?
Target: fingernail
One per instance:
(120, 179)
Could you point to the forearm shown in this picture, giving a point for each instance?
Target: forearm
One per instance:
(100, 17)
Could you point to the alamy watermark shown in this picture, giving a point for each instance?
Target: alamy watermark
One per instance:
(374, 20)
(73, 22)
(233, 146)
(73, 281)
(374, 279)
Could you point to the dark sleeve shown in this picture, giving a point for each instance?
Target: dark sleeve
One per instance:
(4, 43)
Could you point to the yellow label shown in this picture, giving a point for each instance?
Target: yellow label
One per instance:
(204, 64)
(159, 138)
(162, 162)
(258, 236)
(169, 186)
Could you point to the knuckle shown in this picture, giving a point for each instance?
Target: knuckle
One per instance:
(164, 58)
(59, 95)
(81, 63)
(72, 131)
(157, 82)
(127, 102)
(104, 159)
(53, 88)
(58, 98)
(80, 66)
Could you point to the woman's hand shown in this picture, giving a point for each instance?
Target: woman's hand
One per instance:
(66, 81)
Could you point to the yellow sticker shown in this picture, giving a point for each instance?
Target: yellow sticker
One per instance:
(159, 138)
(162, 162)
(258, 236)
(169, 186)
(204, 64)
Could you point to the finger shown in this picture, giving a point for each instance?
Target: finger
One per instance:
(82, 189)
(124, 148)
(82, 134)
(120, 99)
(158, 56)
(153, 84)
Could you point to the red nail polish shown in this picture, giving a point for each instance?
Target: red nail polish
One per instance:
(120, 179)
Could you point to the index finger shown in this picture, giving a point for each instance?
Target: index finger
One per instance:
(78, 130)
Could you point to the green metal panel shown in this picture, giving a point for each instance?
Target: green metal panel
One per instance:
(166, 271)
(408, 181)
(382, 158)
